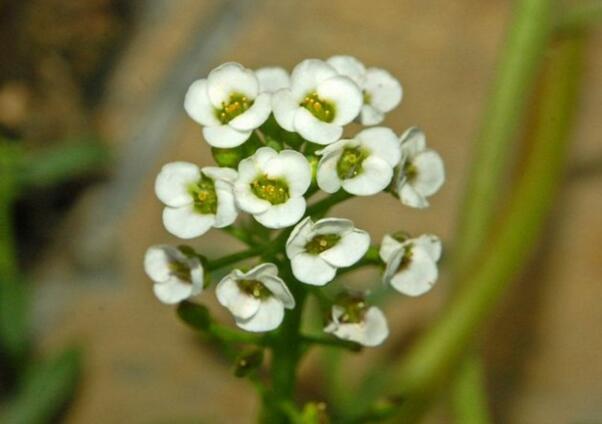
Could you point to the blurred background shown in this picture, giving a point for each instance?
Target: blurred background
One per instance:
(98, 85)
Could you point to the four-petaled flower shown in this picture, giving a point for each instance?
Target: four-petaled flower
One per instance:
(256, 298)
(272, 79)
(381, 91)
(228, 104)
(352, 319)
(420, 173)
(318, 103)
(362, 165)
(176, 276)
(196, 198)
(271, 185)
(317, 250)
(411, 263)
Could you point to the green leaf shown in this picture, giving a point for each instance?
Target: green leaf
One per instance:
(195, 315)
(58, 164)
(45, 390)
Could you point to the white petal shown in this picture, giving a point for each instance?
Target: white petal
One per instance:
(173, 182)
(197, 104)
(419, 276)
(224, 136)
(231, 78)
(312, 269)
(431, 245)
(226, 210)
(301, 234)
(157, 262)
(283, 215)
(185, 222)
(279, 290)
(382, 142)
(246, 199)
(349, 249)
(314, 130)
(268, 317)
(263, 156)
(349, 66)
(294, 168)
(285, 107)
(369, 115)
(411, 197)
(376, 327)
(385, 91)
(217, 173)
(307, 75)
(413, 141)
(375, 176)
(262, 270)
(430, 173)
(346, 96)
(272, 79)
(388, 247)
(327, 177)
(173, 291)
(337, 226)
(240, 304)
(254, 116)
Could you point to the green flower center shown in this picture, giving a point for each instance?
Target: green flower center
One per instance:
(204, 195)
(355, 310)
(320, 108)
(254, 288)
(410, 171)
(180, 270)
(274, 191)
(236, 105)
(320, 243)
(350, 163)
(367, 97)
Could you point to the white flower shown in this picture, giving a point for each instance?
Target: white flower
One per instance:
(420, 173)
(176, 275)
(317, 250)
(196, 198)
(229, 104)
(318, 103)
(411, 263)
(272, 79)
(271, 184)
(358, 322)
(256, 298)
(381, 91)
(363, 165)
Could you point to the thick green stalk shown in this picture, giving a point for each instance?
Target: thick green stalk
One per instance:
(13, 322)
(526, 44)
(429, 363)
(469, 401)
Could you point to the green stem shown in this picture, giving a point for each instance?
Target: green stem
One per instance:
(469, 398)
(229, 335)
(525, 47)
(319, 209)
(286, 353)
(330, 341)
(13, 314)
(430, 361)
(240, 234)
(233, 258)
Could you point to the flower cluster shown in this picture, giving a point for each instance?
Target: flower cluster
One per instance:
(279, 139)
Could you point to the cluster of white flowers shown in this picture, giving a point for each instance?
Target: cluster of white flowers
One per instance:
(283, 137)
